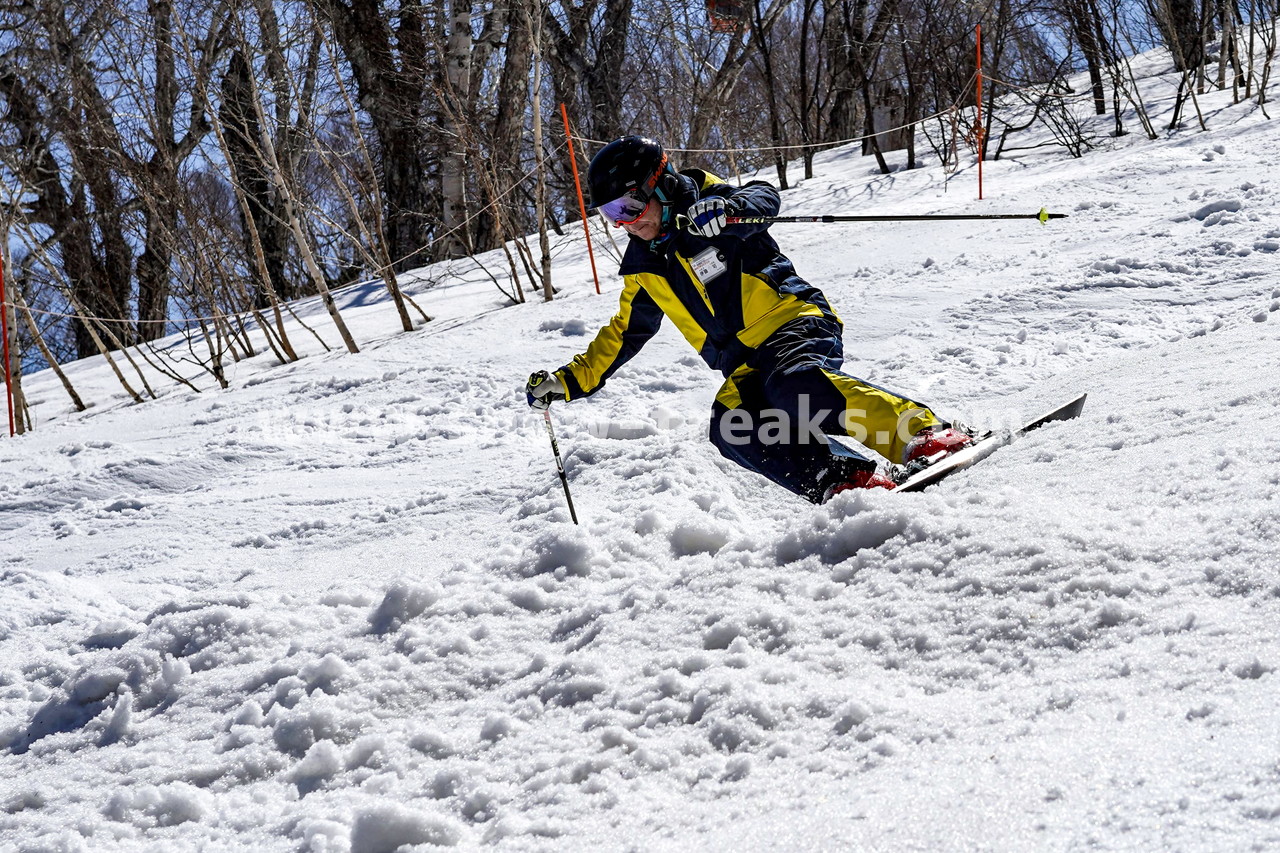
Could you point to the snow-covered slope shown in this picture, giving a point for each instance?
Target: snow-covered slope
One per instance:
(340, 606)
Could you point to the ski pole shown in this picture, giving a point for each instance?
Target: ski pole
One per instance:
(1043, 216)
(555, 448)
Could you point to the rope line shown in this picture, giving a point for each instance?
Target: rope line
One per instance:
(538, 165)
(804, 145)
(490, 206)
(249, 312)
(64, 316)
(1032, 89)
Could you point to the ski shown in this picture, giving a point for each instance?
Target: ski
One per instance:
(985, 446)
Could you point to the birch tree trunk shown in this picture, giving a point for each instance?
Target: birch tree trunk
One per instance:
(535, 23)
(11, 344)
(453, 183)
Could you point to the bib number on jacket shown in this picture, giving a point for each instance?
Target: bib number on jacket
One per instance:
(708, 264)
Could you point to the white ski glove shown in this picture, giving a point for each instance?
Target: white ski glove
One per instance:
(707, 216)
(542, 389)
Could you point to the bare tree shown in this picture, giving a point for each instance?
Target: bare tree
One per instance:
(390, 60)
(1086, 26)
(13, 376)
(157, 177)
(456, 90)
(506, 111)
(1179, 23)
(56, 104)
(586, 49)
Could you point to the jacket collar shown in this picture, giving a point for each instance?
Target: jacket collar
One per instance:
(682, 191)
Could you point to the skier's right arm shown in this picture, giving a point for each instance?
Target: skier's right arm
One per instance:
(637, 320)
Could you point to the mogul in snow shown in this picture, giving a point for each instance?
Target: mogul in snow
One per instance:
(740, 303)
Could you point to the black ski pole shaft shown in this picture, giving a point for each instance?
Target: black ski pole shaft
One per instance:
(942, 217)
(1042, 216)
(555, 448)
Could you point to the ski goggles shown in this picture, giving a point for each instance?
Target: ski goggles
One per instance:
(627, 209)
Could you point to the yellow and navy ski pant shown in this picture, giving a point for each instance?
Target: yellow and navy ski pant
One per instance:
(774, 415)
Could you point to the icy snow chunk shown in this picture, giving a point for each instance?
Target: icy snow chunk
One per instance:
(125, 505)
(368, 751)
(736, 769)
(1112, 614)
(121, 716)
(1262, 812)
(851, 715)
(320, 834)
(324, 673)
(23, 800)
(721, 635)
(165, 805)
(480, 806)
(249, 714)
(385, 828)
(616, 737)
(569, 328)
(666, 419)
(94, 686)
(698, 536)
(496, 727)
(321, 763)
(865, 527)
(1252, 670)
(886, 745)
(570, 684)
(295, 732)
(576, 621)
(447, 783)
(513, 826)
(697, 662)
(347, 598)
(58, 714)
(111, 634)
(530, 597)
(432, 744)
(563, 551)
(403, 601)
(731, 735)
(1226, 205)
(649, 522)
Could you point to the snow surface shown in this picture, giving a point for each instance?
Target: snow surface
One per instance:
(340, 607)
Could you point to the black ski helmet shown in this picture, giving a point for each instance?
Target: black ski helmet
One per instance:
(624, 165)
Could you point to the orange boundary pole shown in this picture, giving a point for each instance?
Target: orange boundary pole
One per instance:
(979, 130)
(582, 205)
(4, 330)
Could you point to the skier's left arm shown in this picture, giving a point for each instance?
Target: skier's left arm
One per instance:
(718, 201)
(637, 320)
(757, 198)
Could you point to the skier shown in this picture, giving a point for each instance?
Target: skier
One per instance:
(743, 307)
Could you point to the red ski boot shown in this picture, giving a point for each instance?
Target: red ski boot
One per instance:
(932, 444)
(860, 480)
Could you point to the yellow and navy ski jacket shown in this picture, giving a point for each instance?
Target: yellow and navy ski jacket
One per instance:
(726, 295)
